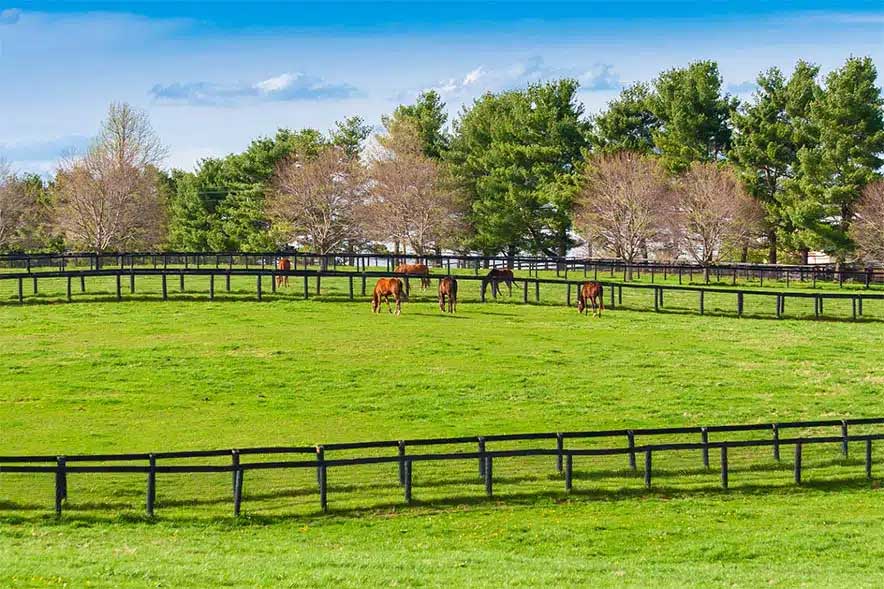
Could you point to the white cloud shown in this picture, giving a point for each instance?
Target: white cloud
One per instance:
(599, 76)
(284, 87)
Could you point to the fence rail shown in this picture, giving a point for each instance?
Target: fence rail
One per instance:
(61, 466)
(807, 273)
(614, 296)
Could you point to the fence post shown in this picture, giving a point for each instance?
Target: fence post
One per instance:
(21, 295)
(227, 281)
(69, 289)
(401, 462)
(306, 283)
(525, 292)
(868, 458)
(351, 286)
(151, 484)
(237, 490)
(537, 291)
(569, 295)
(488, 476)
(481, 457)
(408, 464)
(724, 467)
(363, 279)
(165, 290)
(318, 283)
(119, 289)
(569, 470)
(798, 462)
(656, 299)
(61, 484)
(83, 285)
(704, 438)
(844, 437)
(181, 282)
(702, 296)
(776, 442)
(259, 286)
(35, 284)
(560, 446)
(323, 484)
(648, 468)
(211, 287)
(630, 440)
(234, 461)
(320, 458)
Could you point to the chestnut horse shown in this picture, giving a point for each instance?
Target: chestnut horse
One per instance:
(283, 265)
(448, 288)
(591, 292)
(416, 269)
(386, 288)
(495, 277)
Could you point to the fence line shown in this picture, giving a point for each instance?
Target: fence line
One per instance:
(534, 264)
(564, 456)
(857, 299)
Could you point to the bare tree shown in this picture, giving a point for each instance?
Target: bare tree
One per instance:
(318, 201)
(867, 229)
(713, 211)
(410, 201)
(17, 207)
(623, 205)
(109, 198)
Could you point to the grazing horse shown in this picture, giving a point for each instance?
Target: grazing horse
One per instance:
(283, 265)
(418, 270)
(591, 292)
(386, 288)
(448, 288)
(495, 277)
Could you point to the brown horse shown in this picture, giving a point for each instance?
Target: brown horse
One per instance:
(495, 277)
(418, 270)
(448, 288)
(386, 288)
(591, 292)
(283, 265)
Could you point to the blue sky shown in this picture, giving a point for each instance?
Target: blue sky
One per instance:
(213, 76)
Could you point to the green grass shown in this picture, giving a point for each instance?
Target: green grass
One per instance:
(143, 375)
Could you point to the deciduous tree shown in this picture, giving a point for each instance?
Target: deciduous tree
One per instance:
(318, 201)
(624, 204)
(712, 211)
(867, 229)
(109, 198)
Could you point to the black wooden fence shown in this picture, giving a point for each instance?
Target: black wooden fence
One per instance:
(720, 272)
(358, 282)
(485, 456)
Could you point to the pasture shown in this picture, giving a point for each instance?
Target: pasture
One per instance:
(146, 375)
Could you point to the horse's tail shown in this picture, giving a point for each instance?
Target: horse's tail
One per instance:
(454, 286)
(601, 298)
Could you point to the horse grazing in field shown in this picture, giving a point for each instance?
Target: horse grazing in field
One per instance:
(283, 265)
(417, 270)
(591, 292)
(386, 288)
(495, 277)
(448, 289)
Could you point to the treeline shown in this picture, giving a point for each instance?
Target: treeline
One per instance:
(672, 168)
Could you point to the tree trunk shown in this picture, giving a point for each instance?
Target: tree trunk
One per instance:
(772, 244)
(510, 256)
(805, 256)
(744, 253)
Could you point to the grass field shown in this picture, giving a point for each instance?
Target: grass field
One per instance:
(143, 375)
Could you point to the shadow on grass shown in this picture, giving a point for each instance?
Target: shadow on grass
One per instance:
(96, 511)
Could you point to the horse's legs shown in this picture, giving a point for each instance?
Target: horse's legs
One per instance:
(442, 301)
(509, 285)
(398, 305)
